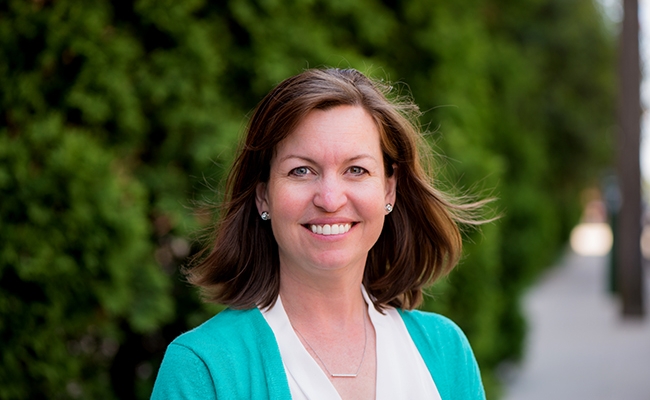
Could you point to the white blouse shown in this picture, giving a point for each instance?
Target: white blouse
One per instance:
(401, 371)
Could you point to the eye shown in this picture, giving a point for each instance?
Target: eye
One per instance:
(300, 171)
(357, 170)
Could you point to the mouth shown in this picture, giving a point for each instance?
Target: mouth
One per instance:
(329, 229)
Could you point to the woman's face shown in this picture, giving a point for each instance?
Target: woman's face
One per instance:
(327, 191)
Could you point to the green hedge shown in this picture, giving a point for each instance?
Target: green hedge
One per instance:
(118, 118)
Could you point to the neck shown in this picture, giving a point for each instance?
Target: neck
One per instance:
(326, 303)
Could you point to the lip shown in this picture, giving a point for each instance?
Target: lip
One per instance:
(330, 221)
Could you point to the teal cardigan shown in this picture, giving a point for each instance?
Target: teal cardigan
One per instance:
(234, 355)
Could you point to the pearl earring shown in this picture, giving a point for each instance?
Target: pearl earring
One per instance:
(389, 208)
(265, 216)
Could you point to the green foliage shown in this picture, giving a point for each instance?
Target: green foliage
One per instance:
(76, 260)
(118, 116)
(530, 120)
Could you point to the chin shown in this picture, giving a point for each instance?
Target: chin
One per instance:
(336, 263)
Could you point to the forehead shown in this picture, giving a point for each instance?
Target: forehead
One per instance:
(341, 129)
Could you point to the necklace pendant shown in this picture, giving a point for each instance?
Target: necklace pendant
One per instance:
(343, 375)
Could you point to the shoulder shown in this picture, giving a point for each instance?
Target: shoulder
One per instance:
(229, 328)
(233, 354)
(447, 354)
(239, 337)
(432, 326)
(183, 375)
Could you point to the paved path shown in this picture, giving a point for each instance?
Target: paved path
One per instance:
(578, 346)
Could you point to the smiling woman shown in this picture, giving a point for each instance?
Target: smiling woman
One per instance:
(328, 173)
(329, 232)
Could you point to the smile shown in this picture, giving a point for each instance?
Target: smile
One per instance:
(334, 229)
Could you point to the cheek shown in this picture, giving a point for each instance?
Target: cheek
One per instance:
(370, 201)
(287, 201)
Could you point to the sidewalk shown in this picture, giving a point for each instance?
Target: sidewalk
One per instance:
(578, 346)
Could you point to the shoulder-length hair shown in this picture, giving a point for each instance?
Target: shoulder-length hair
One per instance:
(420, 240)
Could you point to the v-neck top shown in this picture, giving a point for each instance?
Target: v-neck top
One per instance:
(235, 355)
(401, 371)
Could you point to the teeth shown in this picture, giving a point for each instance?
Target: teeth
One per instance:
(334, 229)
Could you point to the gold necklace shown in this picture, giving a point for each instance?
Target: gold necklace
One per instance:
(363, 356)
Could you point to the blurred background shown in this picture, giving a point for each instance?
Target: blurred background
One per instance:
(119, 120)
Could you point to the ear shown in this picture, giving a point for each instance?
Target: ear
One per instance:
(261, 198)
(391, 187)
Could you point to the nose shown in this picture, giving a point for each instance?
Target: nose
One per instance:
(330, 194)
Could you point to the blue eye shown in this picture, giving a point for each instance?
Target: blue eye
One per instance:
(300, 171)
(357, 170)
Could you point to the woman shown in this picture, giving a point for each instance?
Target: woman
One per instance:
(328, 234)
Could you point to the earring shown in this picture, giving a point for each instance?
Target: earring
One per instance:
(389, 208)
(265, 216)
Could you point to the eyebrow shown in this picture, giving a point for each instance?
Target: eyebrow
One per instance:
(309, 160)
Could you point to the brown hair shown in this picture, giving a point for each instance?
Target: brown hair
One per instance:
(420, 240)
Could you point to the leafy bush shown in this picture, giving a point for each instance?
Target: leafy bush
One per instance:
(117, 117)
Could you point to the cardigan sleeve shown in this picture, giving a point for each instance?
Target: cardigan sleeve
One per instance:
(447, 354)
(233, 355)
(466, 378)
(183, 375)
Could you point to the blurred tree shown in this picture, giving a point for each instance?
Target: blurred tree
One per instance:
(118, 117)
(628, 258)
